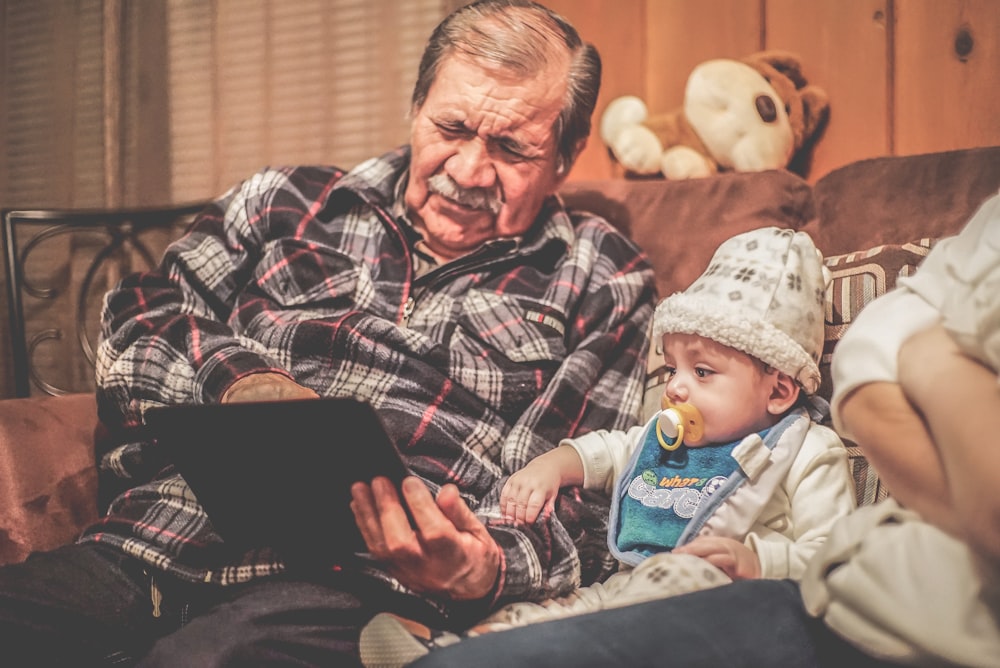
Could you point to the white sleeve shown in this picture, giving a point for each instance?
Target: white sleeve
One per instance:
(868, 351)
(972, 311)
(958, 282)
(604, 455)
(820, 492)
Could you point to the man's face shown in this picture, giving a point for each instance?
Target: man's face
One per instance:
(484, 154)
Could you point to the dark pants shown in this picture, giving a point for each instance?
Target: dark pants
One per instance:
(748, 624)
(87, 605)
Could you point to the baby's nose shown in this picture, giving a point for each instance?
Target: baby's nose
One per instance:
(676, 390)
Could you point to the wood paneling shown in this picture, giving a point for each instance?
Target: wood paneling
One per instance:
(892, 69)
(682, 33)
(947, 74)
(610, 25)
(844, 50)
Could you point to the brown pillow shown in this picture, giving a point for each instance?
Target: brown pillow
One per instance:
(893, 199)
(48, 481)
(680, 224)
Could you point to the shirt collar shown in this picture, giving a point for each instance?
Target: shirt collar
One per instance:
(423, 260)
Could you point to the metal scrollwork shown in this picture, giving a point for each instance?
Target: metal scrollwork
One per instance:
(119, 244)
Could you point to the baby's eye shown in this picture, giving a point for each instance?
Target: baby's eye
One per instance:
(671, 370)
(702, 372)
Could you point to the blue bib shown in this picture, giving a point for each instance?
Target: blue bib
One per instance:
(666, 489)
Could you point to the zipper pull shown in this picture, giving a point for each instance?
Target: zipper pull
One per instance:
(407, 311)
(155, 595)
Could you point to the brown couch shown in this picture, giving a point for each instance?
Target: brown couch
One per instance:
(873, 220)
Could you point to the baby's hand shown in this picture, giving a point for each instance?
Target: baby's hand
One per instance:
(731, 556)
(530, 491)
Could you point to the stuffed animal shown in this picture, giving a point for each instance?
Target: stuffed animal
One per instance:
(740, 115)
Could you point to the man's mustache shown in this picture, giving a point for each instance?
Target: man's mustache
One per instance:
(483, 199)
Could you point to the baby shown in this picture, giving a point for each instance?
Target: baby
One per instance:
(734, 478)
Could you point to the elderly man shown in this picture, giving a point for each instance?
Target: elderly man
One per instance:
(445, 284)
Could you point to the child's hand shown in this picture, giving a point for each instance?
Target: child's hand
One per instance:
(731, 556)
(530, 491)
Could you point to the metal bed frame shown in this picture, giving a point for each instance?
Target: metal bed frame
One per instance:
(59, 282)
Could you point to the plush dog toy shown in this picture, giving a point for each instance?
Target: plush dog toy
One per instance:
(741, 115)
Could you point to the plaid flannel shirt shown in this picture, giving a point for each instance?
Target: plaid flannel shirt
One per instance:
(480, 364)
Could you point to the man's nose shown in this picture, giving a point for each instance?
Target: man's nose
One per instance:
(471, 166)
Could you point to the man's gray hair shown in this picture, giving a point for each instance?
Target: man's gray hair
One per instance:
(520, 36)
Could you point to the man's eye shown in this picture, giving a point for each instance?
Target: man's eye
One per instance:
(451, 129)
(512, 151)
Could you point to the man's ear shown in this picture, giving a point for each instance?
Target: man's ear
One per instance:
(565, 169)
(784, 394)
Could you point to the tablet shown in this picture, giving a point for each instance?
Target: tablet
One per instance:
(279, 473)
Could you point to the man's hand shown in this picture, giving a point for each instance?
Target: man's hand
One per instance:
(266, 387)
(730, 556)
(449, 552)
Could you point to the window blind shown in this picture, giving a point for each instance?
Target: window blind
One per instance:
(53, 108)
(249, 83)
(270, 82)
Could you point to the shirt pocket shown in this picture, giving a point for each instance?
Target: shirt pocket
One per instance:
(522, 331)
(297, 274)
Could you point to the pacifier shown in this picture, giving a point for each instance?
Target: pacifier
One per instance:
(675, 422)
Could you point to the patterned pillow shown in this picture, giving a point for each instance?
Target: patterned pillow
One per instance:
(857, 278)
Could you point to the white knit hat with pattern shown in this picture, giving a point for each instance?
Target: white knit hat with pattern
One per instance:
(762, 294)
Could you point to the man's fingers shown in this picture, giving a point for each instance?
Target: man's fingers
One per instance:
(447, 550)
(366, 517)
(450, 502)
(395, 523)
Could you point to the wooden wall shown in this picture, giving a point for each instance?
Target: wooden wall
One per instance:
(903, 76)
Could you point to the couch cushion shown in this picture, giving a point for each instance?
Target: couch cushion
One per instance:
(892, 200)
(856, 279)
(679, 224)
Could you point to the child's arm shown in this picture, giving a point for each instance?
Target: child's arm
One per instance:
(533, 489)
(959, 401)
(898, 446)
(817, 492)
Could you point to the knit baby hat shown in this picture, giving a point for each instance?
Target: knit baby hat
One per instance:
(762, 294)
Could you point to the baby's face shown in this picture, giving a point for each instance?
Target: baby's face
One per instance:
(730, 389)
